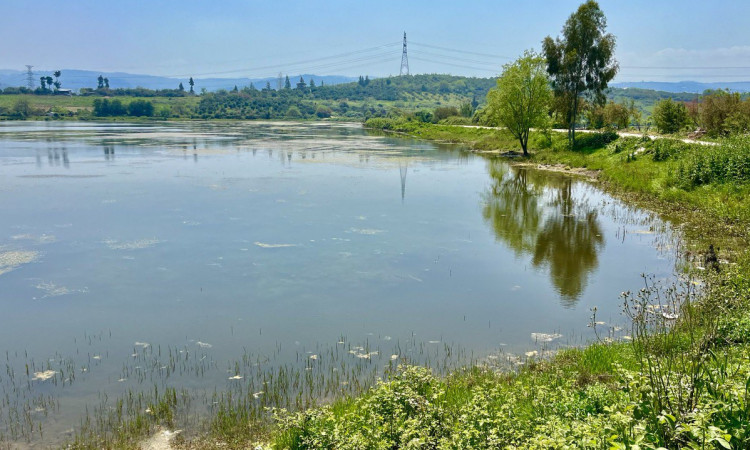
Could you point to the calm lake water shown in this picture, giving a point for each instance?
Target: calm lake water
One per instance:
(282, 239)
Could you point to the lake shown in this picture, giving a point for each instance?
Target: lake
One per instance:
(122, 243)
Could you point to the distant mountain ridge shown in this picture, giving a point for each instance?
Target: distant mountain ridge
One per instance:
(77, 79)
(694, 87)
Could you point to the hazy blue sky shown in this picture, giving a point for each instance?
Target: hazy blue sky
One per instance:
(234, 38)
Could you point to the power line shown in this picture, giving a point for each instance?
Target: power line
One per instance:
(295, 63)
(454, 65)
(461, 51)
(340, 63)
(687, 67)
(344, 65)
(458, 58)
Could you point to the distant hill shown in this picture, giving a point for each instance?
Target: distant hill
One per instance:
(77, 79)
(693, 87)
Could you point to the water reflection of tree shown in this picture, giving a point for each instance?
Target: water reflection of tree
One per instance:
(535, 214)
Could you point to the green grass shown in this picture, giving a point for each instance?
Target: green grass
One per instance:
(77, 107)
(80, 107)
(675, 385)
(681, 383)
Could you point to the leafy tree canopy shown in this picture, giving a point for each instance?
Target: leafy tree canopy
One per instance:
(522, 97)
(581, 63)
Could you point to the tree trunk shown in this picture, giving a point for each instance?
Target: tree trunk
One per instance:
(573, 116)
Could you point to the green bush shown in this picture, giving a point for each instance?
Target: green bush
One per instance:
(293, 112)
(670, 116)
(725, 163)
(323, 112)
(663, 149)
(105, 108)
(456, 120)
(141, 108)
(594, 140)
(443, 112)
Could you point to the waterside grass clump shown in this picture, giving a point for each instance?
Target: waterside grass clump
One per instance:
(682, 380)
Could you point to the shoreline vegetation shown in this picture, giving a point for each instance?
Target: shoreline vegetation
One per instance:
(689, 351)
(678, 378)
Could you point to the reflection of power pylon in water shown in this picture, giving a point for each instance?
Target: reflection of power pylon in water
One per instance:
(402, 167)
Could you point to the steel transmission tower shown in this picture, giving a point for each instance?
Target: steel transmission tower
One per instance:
(404, 60)
(29, 77)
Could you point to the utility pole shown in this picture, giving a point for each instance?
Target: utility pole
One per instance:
(29, 77)
(404, 60)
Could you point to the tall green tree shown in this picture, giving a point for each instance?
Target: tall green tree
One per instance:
(43, 83)
(57, 83)
(106, 83)
(191, 83)
(670, 116)
(581, 63)
(100, 82)
(181, 88)
(522, 97)
(287, 83)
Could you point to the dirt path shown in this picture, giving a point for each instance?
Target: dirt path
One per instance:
(619, 133)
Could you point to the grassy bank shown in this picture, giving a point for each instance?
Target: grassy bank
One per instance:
(680, 380)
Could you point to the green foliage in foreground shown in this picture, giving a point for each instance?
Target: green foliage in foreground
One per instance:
(681, 381)
(677, 384)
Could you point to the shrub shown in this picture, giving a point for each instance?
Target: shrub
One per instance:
(293, 112)
(141, 108)
(670, 116)
(725, 163)
(663, 149)
(323, 112)
(594, 140)
(423, 116)
(443, 112)
(456, 120)
(22, 108)
(105, 108)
